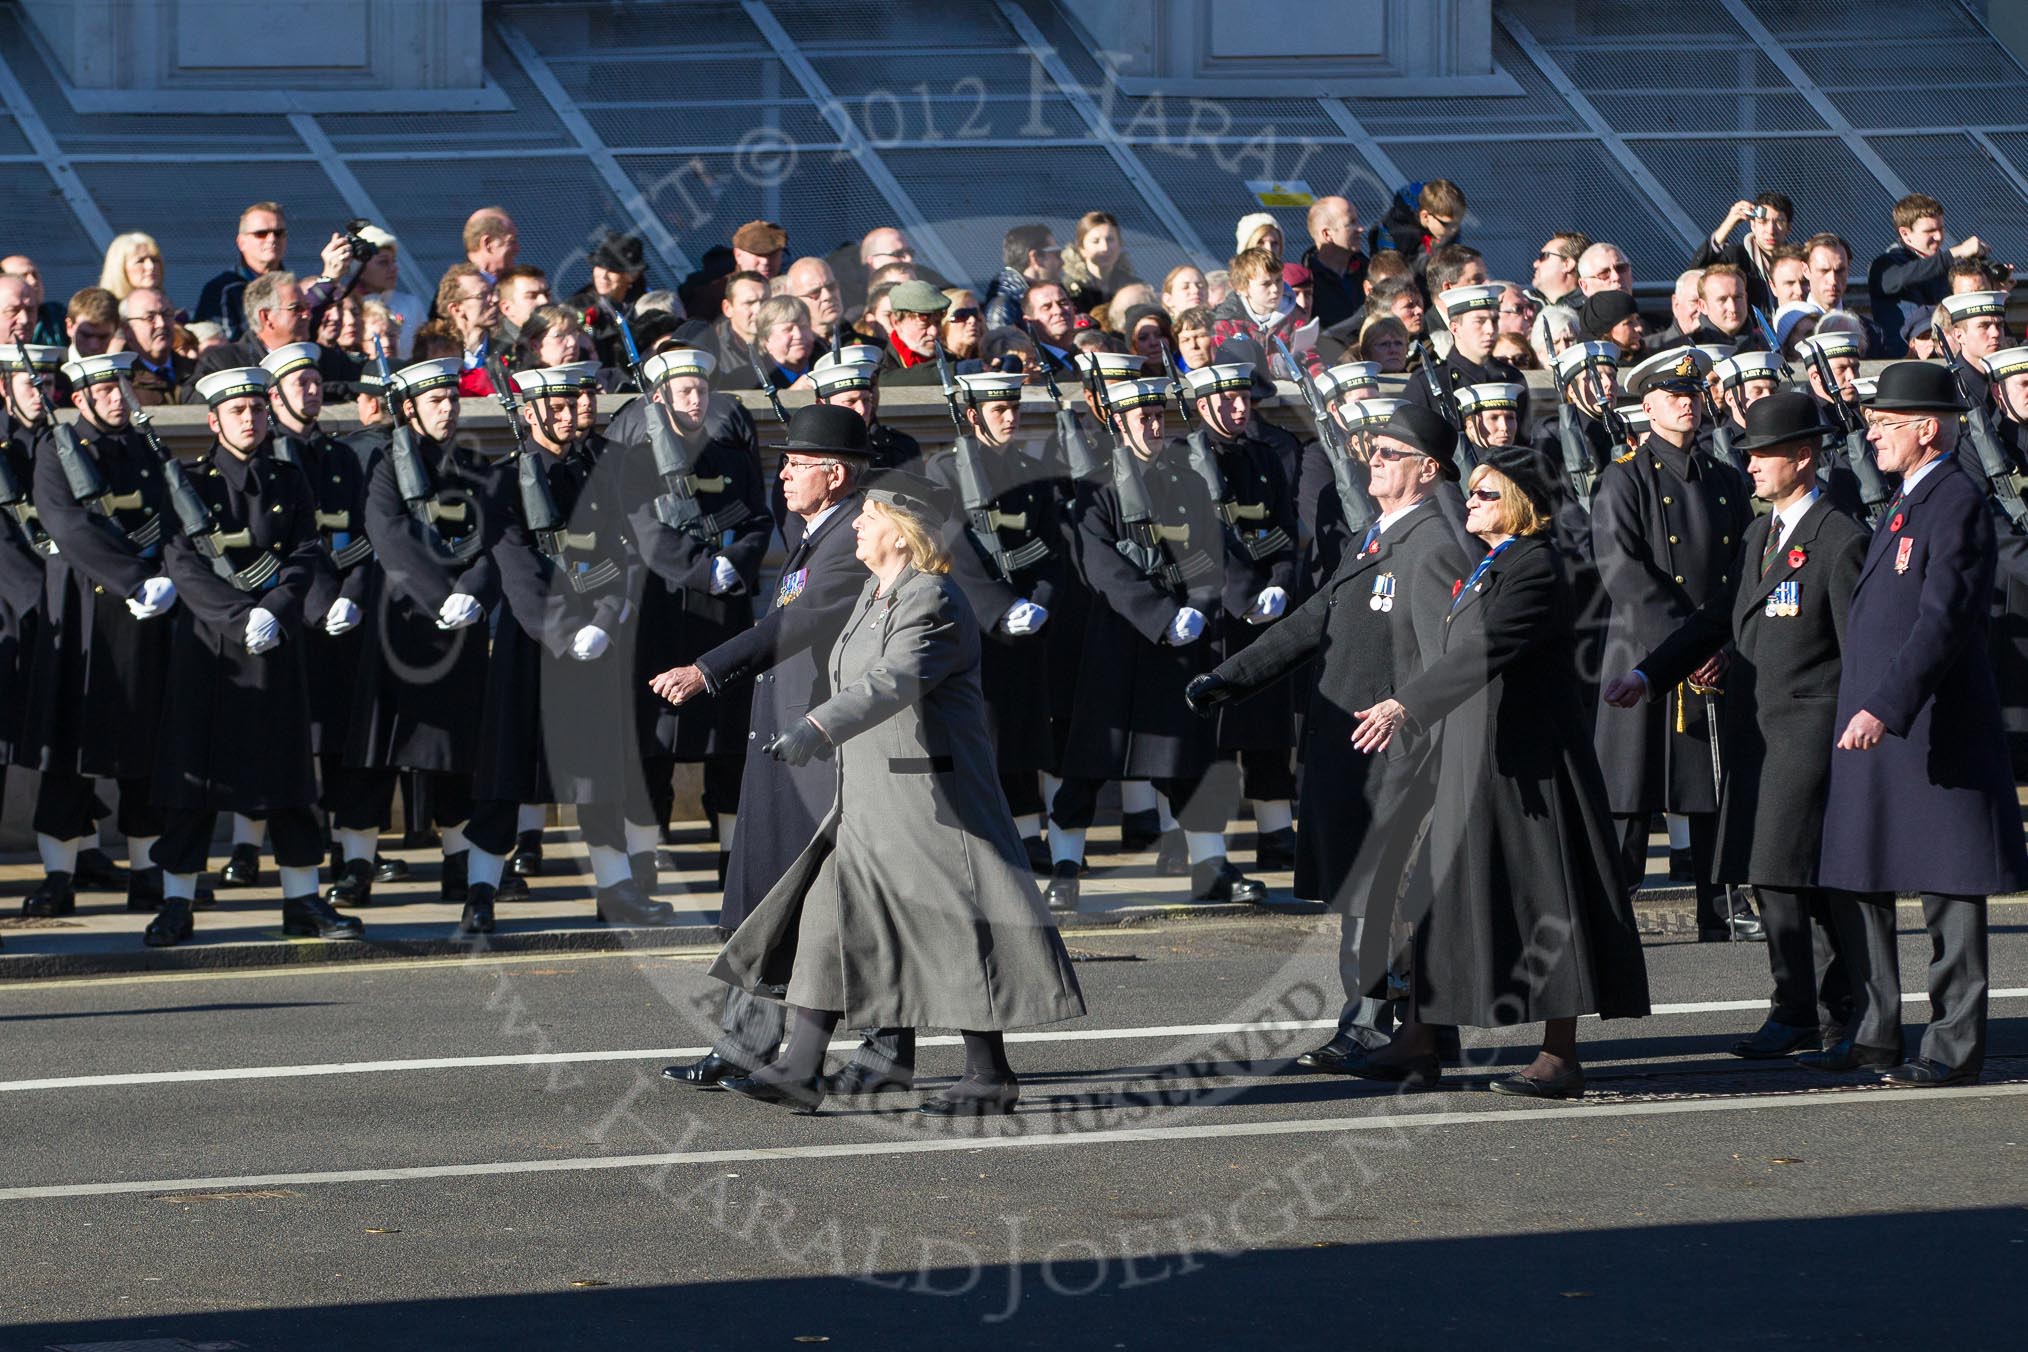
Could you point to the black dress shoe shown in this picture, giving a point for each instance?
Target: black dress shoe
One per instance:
(1039, 859)
(1275, 851)
(1411, 1072)
(1922, 1073)
(1680, 869)
(354, 886)
(311, 917)
(1775, 1040)
(708, 1073)
(144, 889)
(1216, 879)
(478, 914)
(1742, 928)
(1334, 1057)
(1845, 1055)
(1172, 856)
(243, 869)
(974, 1098)
(626, 904)
(453, 882)
(526, 861)
(171, 925)
(511, 887)
(646, 874)
(1063, 887)
(1568, 1085)
(1140, 830)
(389, 869)
(799, 1096)
(862, 1081)
(56, 895)
(95, 871)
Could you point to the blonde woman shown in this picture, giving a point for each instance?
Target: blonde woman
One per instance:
(963, 327)
(914, 905)
(133, 261)
(1518, 912)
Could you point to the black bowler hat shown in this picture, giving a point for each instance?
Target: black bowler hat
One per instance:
(1427, 431)
(1519, 464)
(1918, 386)
(620, 253)
(828, 430)
(1781, 420)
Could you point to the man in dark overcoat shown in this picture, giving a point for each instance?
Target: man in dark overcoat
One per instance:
(235, 733)
(1371, 628)
(1667, 525)
(786, 657)
(1784, 615)
(1921, 797)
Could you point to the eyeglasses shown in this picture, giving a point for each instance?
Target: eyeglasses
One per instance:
(1392, 453)
(1484, 495)
(1893, 422)
(1517, 309)
(807, 464)
(965, 315)
(1548, 254)
(153, 317)
(272, 231)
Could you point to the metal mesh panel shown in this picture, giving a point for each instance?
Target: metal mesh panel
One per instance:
(1181, 117)
(1209, 188)
(816, 24)
(1977, 197)
(529, 123)
(1806, 22)
(679, 124)
(823, 198)
(1538, 109)
(12, 142)
(623, 25)
(938, 72)
(667, 79)
(1832, 190)
(559, 204)
(1534, 189)
(1554, 20)
(956, 104)
(974, 199)
(195, 229)
(1632, 115)
(40, 223)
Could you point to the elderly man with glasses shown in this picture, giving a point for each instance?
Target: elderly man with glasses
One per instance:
(148, 330)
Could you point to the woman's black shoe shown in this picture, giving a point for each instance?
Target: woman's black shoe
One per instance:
(1411, 1072)
(478, 915)
(1568, 1085)
(973, 1098)
(171, 925)
(800, 1096)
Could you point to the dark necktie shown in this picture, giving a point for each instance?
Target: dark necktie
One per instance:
(1774, 544)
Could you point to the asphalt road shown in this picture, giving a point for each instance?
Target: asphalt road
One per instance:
(479, 1154)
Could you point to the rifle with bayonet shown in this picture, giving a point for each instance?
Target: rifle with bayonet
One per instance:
(1580, 460)
(411, 476)
(1203, 460)
(1999, 468)
(1873, 490)
(974, 492)
(80, 472)
(1142, 538)
(1440, 395)
(539, 512)
(1353, 499)
(766, 381)
(193, 517)
(1077, 452)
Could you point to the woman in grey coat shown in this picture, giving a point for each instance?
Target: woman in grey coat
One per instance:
(914, 905)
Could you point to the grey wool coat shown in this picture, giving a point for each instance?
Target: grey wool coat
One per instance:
(938, 920)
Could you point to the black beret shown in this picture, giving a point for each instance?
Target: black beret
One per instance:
(1604, 310)
(1427, 431)
(1519, 464)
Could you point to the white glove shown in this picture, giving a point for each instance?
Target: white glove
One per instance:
(724, 577)
(1023, 618)
(156, 596)
(263, 631)
(459, 610)
(343, 615)
(591, 642)
(1269, 605)
(1185, 628)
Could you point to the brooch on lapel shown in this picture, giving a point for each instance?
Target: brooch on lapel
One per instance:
(1797, 558)
(1457, 588)
(1895, 524)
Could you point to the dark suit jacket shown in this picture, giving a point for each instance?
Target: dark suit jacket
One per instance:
(1931, 808)
(1780, 692)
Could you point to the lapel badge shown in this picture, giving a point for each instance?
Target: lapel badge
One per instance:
(1797, 558)
(1902, 552)
(1895, 524)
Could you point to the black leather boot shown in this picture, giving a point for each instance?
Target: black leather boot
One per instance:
(57, 895)
(354, 886)
(526, 861)
(311, 917)
(243, 869)
(478, 916)
(171, 926)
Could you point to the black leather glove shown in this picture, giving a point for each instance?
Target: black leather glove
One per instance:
(1205, 693)
(796, 745)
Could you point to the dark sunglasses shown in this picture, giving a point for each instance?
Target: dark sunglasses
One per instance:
(1486, 494)
(961, 316)
(263, 234)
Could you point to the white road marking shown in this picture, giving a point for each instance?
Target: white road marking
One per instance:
(1375, 1121)
(1181, 1030)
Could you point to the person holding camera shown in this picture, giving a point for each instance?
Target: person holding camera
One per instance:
(1767, 219)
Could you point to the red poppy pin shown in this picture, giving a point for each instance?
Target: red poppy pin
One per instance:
(591, 318)
(1457, 587)
(1796, 557)
(1895, 524)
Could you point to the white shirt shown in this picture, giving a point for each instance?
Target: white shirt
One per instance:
(1389, 518)
(1909, 482)
(810, 524)
(1787, 519)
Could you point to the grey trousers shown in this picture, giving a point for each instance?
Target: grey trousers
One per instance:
(1958, 979)
(752, 1030)
(1364, 1020)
